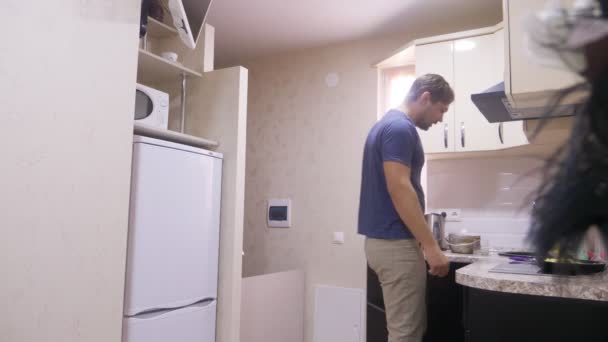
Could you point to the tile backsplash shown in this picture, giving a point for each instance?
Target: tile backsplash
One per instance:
(494, 196)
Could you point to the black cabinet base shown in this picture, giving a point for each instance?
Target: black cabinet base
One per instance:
(503, 317)
(457, 313)
(444, 307)
(376, 324)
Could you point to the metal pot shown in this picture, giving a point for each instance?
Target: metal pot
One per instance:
(436, 223)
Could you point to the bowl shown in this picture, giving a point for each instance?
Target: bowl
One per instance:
(170, 56)
(463, 238)
(463, 244)
(462, 248)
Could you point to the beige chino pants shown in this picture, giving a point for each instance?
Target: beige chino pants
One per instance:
(401, 269)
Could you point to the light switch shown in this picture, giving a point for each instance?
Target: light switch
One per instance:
(339, 238)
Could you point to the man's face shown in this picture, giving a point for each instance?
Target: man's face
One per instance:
(432, 114)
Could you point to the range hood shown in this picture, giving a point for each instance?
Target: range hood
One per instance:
(496, 107)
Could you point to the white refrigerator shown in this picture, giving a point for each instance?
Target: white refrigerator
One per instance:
(173, 248)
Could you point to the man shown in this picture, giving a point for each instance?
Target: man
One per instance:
(392, 206)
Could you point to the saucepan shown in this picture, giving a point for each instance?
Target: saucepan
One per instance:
(571, 267)
(557, 266)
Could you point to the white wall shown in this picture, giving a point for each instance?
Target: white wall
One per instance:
(67, 74)
(273, 308)
(494, 195)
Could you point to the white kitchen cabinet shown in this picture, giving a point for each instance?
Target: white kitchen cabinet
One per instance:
(471, 65)
(437, 58)
(474, 71)
(479, 64)
(530, 83)
(511, 133)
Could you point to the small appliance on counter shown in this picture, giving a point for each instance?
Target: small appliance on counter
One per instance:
(436, 223)
(151, 107)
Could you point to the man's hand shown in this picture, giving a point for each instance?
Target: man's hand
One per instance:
(438, 262)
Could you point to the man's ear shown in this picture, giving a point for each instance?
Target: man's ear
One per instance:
(425, 98)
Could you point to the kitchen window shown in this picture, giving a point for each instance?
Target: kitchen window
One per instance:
(396, 83)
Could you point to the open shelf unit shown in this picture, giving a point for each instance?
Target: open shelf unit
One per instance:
(157, 29)
(159, 73)
(153, 69)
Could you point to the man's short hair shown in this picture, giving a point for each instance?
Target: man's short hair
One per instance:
(436, 85)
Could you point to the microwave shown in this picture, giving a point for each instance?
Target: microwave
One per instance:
(151, 107)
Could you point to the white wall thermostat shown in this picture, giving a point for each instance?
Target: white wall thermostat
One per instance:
(279, 213)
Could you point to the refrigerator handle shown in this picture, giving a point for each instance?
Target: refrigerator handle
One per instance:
(162, 313)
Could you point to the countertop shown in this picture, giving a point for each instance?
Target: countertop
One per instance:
(470, 258)
(476, 275)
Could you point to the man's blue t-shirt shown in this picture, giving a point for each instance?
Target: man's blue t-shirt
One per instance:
(393, 138)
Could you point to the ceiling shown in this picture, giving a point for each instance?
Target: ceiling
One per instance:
(246, 29)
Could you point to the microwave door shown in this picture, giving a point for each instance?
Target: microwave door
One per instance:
(143, 105)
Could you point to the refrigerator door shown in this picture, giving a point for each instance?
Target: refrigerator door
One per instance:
(174, 227)
(194, 323)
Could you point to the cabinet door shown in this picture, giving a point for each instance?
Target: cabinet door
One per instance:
(511, 133)
(475, 68)
(528, 75)
(444, 307)
(437, 58)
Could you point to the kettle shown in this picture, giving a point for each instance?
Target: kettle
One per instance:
(436, 223)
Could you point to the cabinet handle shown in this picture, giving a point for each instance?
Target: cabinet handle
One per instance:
(462, 134)
(445, 135)
(500, 133)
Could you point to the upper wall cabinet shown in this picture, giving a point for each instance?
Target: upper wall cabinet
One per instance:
(475, 69)
(471, 62)
(512, 133)
(438, 59)
(528, 83)
(474, 61)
